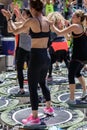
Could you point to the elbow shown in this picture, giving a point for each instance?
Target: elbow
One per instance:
(15, 32)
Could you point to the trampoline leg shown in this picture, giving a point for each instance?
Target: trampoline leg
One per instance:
(85, 112)
(3, 126)
(7, 127)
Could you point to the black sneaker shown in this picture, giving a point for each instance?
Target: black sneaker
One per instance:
(21, 92)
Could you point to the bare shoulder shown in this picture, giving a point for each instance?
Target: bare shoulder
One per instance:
(46, 20)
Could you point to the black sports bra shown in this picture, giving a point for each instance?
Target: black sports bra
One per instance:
(77, 35)
(39, 34)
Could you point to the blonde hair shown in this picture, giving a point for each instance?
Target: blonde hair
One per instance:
(56, 16)
(85, 21)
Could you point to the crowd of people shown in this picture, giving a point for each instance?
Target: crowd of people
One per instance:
(35, 29)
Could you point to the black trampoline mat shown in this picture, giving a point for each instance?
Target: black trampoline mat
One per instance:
(65, 96)
(15, 89)
(3, 102)
(58, 80)
(60, 116)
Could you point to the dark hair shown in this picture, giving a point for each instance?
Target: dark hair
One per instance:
(81, 14)
(27, 12)
(37, 5)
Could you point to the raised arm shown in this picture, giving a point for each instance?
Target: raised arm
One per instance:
(17, 24)
(70, 29)
(12, 27)
(17, 30)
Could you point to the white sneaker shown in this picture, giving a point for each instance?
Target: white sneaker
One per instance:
(69, 101)
(84, 95)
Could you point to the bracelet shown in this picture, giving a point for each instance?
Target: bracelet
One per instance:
(9, 19)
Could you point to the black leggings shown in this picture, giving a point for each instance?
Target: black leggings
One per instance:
(59, 56)
(74, 70)
(21, 56)
(38, 67)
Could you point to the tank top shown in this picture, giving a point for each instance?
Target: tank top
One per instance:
(79, 46)
(25, 41)
(49, 8)
(59, 43)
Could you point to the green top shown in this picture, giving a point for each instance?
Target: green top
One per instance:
(49, 8)
(65, 8)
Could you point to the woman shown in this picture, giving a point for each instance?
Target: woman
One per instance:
(23, 48)
(79, 53)
(38, 27)
(23, 52)
(59, 46)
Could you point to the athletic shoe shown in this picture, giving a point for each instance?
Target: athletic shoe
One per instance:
(57, 67)
(49, 111)
(72, 102)
(31, 120)
(84, 95)
(21, 92)
(49, 78)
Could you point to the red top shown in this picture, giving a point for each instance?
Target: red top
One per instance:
(60, 45)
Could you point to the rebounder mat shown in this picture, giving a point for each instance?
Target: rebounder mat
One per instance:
(12, 92)
(63, 96)
(6, 103)
(79, 126)
(57, 80)
(62, 117)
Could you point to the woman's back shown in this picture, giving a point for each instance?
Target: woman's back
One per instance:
(39, 32)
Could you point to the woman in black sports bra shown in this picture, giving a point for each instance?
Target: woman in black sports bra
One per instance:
(39, 62)
(79, 53)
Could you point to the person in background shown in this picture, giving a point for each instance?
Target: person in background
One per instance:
(58, 48)
(23, 48)
(79, 52)
(38, 26)
(49, 7)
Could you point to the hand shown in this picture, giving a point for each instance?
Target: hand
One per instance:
(6, 13)
(15, 9)
(85, 3)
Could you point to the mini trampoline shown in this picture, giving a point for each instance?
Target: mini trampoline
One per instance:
(58, 80)
(79, 126)
(63, 117)
(8, 75)
(63, 71)
(62, 96)
(12, 92)
(13, 89)
(6, 83)
(6, 103)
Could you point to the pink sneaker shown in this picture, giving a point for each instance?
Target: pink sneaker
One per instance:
(49, 111)
(31, 120)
